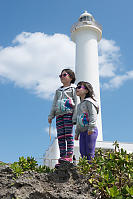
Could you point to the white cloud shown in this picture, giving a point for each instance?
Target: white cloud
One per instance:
(109, 55)
(118, 80)
(34, 61)
(109, 65)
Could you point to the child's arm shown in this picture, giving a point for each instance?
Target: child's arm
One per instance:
(77, 133)
(52, 112)
(92, 116)
(76, 137)
(76, 101)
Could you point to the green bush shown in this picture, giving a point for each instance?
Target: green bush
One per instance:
(28, 164)
(110, 173)
(2, 163)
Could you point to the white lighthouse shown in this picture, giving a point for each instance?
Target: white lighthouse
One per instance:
(86, 33)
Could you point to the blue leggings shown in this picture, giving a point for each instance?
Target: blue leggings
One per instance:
(87, 144)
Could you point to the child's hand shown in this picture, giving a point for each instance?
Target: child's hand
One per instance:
(76, 137)
(90, 132)
(49, 120)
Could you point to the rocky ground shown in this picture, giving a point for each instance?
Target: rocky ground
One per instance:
(64, 183)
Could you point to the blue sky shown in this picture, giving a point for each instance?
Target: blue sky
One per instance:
(35, 45)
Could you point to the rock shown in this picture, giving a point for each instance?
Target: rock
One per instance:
(64, 183)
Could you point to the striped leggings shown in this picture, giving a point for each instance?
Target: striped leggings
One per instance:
(64, 134)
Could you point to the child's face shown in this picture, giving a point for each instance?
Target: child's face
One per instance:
(65, 78)
(81, 91)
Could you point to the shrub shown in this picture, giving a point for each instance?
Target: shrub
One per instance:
(110, 173)
(28, 164)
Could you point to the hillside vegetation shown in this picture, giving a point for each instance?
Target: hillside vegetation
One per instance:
(108, 176)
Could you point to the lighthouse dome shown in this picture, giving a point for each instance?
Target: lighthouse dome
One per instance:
(86, 17)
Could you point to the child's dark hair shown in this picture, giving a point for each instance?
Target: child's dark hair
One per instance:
(88, 87)
(90, 93)
(71, 74)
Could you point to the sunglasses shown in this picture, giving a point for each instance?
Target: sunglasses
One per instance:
(63, 75)
(79, 87)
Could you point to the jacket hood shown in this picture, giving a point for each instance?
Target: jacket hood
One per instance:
(65, 88)
(93, 102)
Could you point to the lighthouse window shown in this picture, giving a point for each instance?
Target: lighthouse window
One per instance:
(89, 18)
(83, 18)
(86, 18)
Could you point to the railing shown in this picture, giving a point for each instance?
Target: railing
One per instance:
(85, 23)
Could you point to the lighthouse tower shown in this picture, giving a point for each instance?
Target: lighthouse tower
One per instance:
(86, 34)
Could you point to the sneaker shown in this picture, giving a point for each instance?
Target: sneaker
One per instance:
(68, 159)
(61, 159)
(57, 165)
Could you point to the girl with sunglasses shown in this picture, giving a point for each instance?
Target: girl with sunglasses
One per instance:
(64, 108)
(86, 127)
